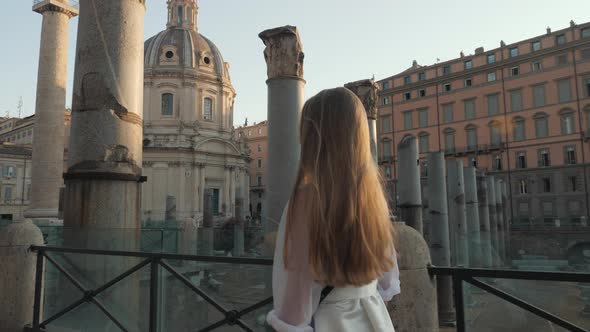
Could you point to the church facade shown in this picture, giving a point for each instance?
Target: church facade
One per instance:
(189, 145)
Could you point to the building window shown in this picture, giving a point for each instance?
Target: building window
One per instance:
(388, 172)
(469, 106)
(516, 100)
(536, 66)
(564, 90)
(513, 52)
(492, 101)
(259, 148)
(587, 87)
(560, 39)
(259, 131)
(408, 120)
(561, 59)
(497, 165)
(491, 58)
(567, 123)
(519, 129)
(521, 160)
(9, 171)
(541, 125)
(385, 124)
(259, 181)
(536, 45)
(544, 160)
(585, 53)
(446, 70)
(259, 163)
(586, 33)
(386, 149)
(249, 132)
(468, 82)
(385, 85)
(450, 141)
(208, 109)
(421, 93)
(491, 76)
(179, 12)
(573, 183)
(471, 132)
(495, 134)
(570, 155)
(7, 193)
(407, 96)
(423, 118)
(546, 185)
(167, 104)
(423, 145)
(523, 187)
(386, 100)
(468, 64)
(421, 76)
(447, 87)
(514, 71)
(539, 96)
(407, 80)
(448, 113)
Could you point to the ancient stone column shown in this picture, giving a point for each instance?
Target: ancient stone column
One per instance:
(226, 191)
(48, 141)
(246, 194)
(409, 189)
(105, 150)
(170, 214)
(507, 219)
(457, 217)
(207, 229)
(491, 184)
(500, 221)
(238, 248)
(232, 192)
(472, 214)
(202, 186)
(188, 237)
(440, 249)
(484, 222)
(367, 91)
(284, 60)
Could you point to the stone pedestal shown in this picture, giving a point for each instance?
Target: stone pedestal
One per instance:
(414, 309)
(284, 60)
(367, 91)
(17, 274)
(48, 141)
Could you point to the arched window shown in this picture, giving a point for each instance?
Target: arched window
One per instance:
(449, 140)
(567, 121)
(495, 133)
(471, 132)
(179, 15)
(167, 104)
(541, 125)
(208, 109)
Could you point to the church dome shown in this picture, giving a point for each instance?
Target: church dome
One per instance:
(181, 45)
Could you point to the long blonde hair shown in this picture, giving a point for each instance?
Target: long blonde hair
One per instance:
(346, 213)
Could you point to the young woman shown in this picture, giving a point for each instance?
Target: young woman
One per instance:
(335, 231)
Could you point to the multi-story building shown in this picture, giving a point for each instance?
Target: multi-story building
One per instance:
(15, 180)
(255, 136)
(21, 131)
(520, 112)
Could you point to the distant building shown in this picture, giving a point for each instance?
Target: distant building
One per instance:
(520, 112)
(256, 137)
(15, 180)
(21, 131)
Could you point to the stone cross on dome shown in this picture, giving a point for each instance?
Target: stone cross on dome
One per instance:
(182, 14)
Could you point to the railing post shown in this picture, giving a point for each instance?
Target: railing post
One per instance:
(38, 285)
(459, 304)
(154, 281)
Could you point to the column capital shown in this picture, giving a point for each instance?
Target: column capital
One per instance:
(283, 53)
(69, 8)
(367, 91)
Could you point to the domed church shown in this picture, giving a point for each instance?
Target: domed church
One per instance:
(189, 145)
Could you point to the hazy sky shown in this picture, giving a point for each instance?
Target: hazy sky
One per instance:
(343, 40)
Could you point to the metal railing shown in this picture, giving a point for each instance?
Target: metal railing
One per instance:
(155, 261)
(460, 275)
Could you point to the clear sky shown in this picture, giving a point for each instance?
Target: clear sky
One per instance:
(343, 40)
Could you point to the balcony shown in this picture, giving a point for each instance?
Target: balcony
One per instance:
(475, 149)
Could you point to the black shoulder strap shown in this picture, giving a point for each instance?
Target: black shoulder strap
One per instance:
(325, 292)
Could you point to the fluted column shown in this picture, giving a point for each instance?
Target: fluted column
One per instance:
(48, 141)
(284, 60)
(367, 91)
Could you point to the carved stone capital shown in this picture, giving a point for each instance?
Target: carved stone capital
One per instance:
(367, 91)
(283, 53)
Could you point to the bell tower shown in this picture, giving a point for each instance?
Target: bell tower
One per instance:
(182, 14)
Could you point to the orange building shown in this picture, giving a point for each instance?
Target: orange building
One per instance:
(255, 136)
(520, 112)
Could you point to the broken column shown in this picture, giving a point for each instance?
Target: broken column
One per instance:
(440, 249)
(484, 222)
(491, 184)
(48, 141)
(457, 217)
(170, 214)
(284, 60)
(207, 230)
(367, 91)
(472, 214)
(105, 150)
(500, 221)
(409, 189)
